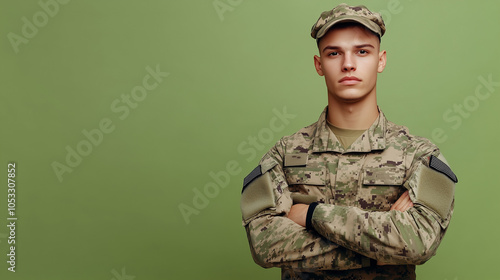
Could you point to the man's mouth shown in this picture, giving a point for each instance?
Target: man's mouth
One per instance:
(349, 79)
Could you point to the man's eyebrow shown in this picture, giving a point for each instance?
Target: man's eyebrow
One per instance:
(356, 46)
(331, 48)
(364, 46)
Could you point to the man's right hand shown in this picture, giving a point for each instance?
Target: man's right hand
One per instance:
(403, 203)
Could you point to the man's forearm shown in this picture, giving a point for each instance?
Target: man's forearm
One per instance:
(394, 237)
(277, 241)
(302, 214)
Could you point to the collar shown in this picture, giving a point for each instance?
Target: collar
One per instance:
(372, 139)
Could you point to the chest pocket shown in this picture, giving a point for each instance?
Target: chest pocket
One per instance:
(308, 181)
(380, 188)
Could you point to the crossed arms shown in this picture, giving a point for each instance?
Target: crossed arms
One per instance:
(345, 237)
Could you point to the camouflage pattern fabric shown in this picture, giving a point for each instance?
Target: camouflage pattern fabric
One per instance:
(346, 13)
(355, 187)
(399, 272)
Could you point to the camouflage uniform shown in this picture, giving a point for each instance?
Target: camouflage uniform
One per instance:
(352, 191)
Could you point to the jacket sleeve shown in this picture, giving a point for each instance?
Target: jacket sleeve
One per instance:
(275, 240)
(394, 237)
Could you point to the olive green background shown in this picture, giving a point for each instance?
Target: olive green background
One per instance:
(116, 215)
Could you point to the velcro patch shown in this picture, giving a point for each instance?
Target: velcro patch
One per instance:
(258, 197)
(295, 159)
(256, 172)
(435, 190)
(442, 167)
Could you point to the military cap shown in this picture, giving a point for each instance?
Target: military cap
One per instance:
(346, 13)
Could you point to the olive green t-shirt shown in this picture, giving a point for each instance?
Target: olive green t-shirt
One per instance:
(345, 136)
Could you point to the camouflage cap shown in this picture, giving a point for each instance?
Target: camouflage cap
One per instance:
(345, 13)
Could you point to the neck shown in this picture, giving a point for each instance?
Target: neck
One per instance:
(358, 115)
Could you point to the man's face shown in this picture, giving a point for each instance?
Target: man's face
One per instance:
(350, 60)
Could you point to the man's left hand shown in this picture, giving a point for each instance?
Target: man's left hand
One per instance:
(298, 213)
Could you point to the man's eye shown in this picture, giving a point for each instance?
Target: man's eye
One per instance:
(333, 53)
(363, 52)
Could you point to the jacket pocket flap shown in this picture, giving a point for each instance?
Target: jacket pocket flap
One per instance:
(305, 176)
(383, 176)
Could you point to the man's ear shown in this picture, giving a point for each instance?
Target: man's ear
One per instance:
(382, 59)
(317, 65)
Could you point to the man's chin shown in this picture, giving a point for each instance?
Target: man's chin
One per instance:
(350, 97)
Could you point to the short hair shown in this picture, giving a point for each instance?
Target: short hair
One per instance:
(346, 24)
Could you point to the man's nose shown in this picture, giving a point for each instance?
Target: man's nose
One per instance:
(349, 63)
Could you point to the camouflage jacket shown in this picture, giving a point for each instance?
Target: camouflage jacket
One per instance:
(352, 226)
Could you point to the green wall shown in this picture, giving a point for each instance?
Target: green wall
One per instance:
(119, 115)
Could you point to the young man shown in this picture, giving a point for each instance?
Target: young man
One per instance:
(352, 196)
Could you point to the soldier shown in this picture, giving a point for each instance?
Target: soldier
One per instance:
(353, 195)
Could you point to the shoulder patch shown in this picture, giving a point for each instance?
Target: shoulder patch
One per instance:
(441, 167)
(256, 172)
